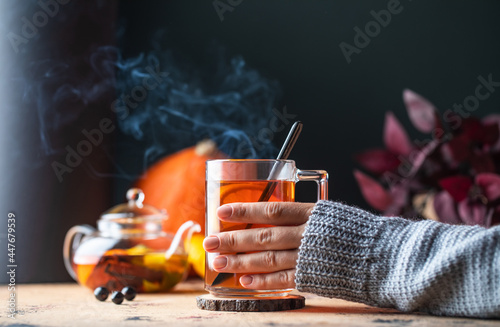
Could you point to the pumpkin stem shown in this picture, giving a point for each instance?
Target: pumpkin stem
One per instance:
(206, 147)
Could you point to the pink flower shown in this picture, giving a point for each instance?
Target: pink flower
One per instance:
(379, 161)
(472, 144)
(458, 166)
(476, 199)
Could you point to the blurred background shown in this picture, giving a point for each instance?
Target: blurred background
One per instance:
(141, 80)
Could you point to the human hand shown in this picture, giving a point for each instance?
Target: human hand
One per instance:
(278, 245)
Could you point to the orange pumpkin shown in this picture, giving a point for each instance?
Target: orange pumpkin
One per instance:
(177, 184)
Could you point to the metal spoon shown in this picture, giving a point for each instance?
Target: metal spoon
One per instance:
(287, 147)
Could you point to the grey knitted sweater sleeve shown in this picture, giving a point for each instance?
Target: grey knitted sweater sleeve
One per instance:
(409, 265)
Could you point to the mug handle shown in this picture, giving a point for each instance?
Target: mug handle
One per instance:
(318, 176)
(71, 242)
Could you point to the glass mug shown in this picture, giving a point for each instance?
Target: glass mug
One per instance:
(243, 180)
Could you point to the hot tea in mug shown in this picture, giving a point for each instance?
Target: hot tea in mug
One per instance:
(229, 181)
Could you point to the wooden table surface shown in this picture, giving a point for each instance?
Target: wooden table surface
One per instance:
(72, 305)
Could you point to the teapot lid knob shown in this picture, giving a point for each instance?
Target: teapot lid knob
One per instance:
(135, 196)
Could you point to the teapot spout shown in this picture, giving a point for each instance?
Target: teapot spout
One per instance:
(190, 227)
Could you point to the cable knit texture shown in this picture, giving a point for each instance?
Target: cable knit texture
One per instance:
(425, 266)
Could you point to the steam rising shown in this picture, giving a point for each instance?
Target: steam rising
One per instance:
(165, 104)
(229, 107)
(159, 100)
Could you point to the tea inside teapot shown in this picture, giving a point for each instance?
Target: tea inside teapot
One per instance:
(128, 249)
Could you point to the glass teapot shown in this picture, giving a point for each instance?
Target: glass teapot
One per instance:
(128, 249)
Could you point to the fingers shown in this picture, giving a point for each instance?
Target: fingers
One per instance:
(258, 239)
(278, 246)
(271, 213)
(267, 261)
(276, 268)
(277, 280)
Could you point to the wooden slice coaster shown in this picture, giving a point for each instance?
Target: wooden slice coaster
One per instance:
(245, 304)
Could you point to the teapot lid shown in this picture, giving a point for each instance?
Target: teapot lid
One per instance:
(134, 208)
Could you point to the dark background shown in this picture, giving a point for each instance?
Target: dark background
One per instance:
(437, 49)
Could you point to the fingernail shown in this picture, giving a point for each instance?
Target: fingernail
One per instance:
(225, 211)
(211, 243)
(220, 262)
(246, 280)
